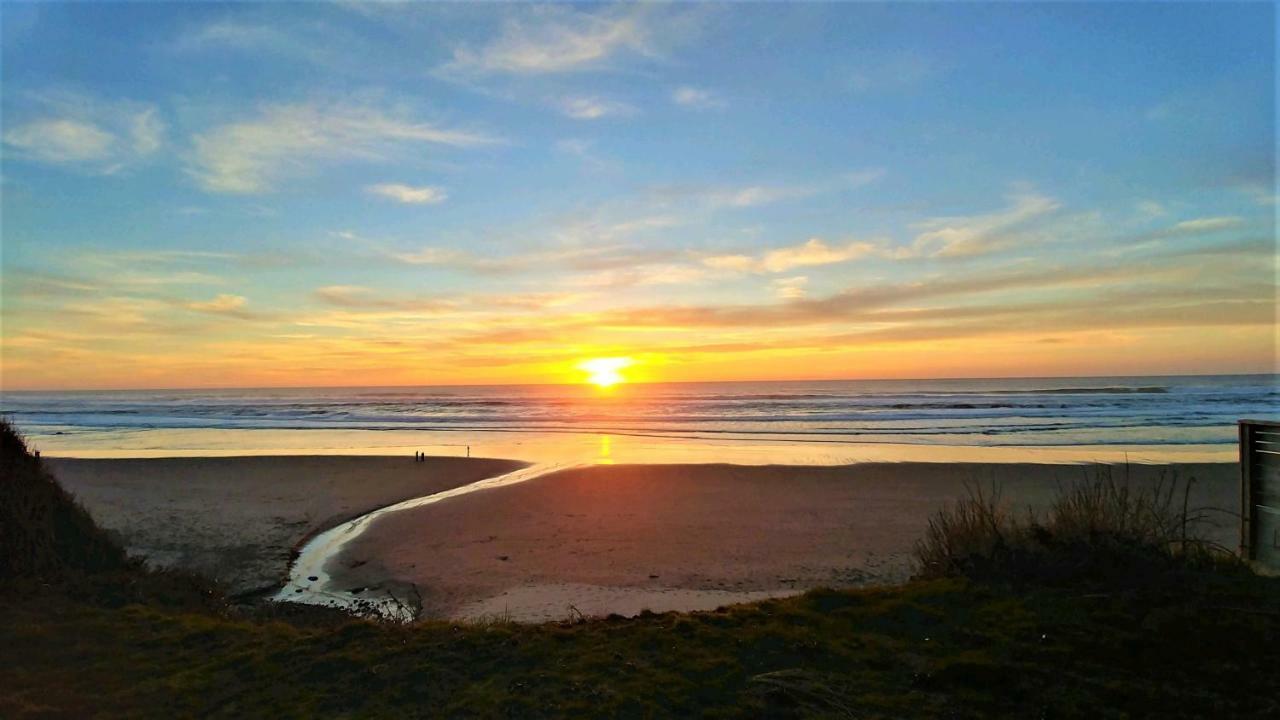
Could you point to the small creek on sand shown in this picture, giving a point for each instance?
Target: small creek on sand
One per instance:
(309, 583)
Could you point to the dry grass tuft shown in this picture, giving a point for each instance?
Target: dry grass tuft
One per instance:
(1106, 528)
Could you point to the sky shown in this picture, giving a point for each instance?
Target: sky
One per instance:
(311, 194)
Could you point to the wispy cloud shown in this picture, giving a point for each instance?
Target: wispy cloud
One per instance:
(357, 297)
(287, 140)
(969, 235)
(441, 256)
(864, 177)
(640, 275)
(1264, 195)
(755, 195)
(586, 153)
(696, 98)
(1150, 209)
(813, 251)
(228, 305)
(555, 40)
(748, 196)
(1176, 280)
(229, 33)
(593, 108)
(86, 133)
(1204, 225)
(59, 140)
(792, 288)
(410, 194)
(601, 252)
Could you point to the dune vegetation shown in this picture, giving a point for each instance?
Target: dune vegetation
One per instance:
(1100, 609)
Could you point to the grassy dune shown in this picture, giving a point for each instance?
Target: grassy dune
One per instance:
(1193, 640)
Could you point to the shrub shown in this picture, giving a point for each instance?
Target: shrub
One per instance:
(47, 539)
(1104, 529)
(44, 532)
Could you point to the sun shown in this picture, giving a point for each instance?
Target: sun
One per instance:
(605, 372)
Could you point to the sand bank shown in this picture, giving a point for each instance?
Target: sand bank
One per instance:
(236, 519)
(679, 537)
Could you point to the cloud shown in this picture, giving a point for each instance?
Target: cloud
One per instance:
(593, 108)
(813, 251)
(791, 288)
(555, 40)
(531, 301)
(573, 255)
(409, 194)
(229, 33)
(755, 195)
(336, 48)
(1176, 276)
(1150, 209)
(1262, 194)
(287, 140)
(88, 134)
(1204, 225)
(696, 98)
(123, 258)
(146, 130)
(58, 141)
(437, 256)
(584, 151)
(223, 304)
(864, 177)
(965, 236)
(355, 297)
(642, 275)
(747, 196)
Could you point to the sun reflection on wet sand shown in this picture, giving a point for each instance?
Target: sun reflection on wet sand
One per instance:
(570, 446)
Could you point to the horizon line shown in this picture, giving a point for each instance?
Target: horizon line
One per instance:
(1275, 373)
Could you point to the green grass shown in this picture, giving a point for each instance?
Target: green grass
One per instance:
(946, 648)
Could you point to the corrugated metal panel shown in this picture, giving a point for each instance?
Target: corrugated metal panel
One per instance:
(1260, 491)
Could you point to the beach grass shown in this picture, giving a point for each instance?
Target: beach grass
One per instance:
(1106, 528)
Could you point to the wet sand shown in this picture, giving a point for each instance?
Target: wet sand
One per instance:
(237, 519)
(608, 539)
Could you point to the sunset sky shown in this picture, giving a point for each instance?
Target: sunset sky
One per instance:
(344, 194)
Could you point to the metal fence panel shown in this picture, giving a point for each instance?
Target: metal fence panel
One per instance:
(1260, 492)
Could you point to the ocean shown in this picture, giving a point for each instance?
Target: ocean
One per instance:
(1138, 418)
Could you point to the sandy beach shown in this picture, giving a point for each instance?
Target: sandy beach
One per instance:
(620, 539)
(237, 519)
(593, 540)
